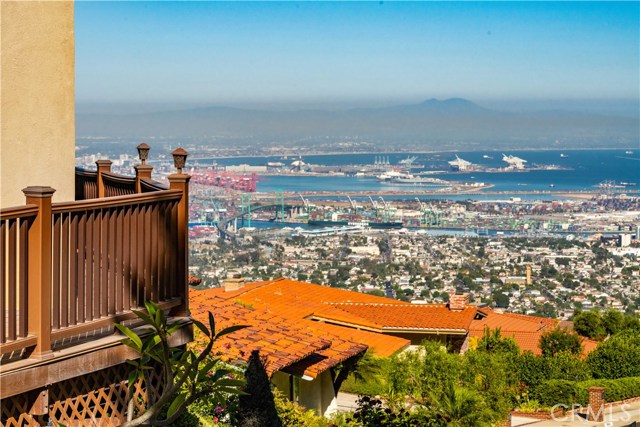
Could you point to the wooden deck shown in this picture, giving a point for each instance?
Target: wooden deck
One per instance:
(70, 271)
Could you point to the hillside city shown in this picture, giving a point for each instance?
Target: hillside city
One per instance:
(550, 276)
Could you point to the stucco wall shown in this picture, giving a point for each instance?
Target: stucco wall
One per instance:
(318, 395)
(37, 133)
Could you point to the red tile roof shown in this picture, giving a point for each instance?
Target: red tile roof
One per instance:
(525, 330)
(283, 316)
(282, 342)
(385, 317)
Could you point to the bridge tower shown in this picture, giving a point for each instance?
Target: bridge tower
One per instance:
(245, 203)
(280, 206)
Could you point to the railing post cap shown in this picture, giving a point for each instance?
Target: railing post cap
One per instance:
(179, 177)
(103, 162)
(38, 191)
(143, 167)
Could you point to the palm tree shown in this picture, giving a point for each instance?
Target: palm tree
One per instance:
(460, 407)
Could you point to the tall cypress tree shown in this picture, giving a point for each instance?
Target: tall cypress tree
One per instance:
(257, 408)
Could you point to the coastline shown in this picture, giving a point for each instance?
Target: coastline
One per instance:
(355, 153)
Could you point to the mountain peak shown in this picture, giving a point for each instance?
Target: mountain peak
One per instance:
(457, 103)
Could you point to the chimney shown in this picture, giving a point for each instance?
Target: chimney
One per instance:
(528, 275)
(233, 282)
(458, 301)
(596, 404)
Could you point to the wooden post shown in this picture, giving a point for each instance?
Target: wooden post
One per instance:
(180, 181)
(142, 171)
(39, 275)
(103, 166)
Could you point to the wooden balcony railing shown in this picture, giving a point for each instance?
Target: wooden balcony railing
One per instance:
(14, 228)
(118, 185)
(86, 184)
(75, 267)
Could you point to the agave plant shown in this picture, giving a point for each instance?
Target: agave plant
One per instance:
(187, 376)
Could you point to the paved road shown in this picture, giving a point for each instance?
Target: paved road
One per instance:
(618, 416)
(347, 402)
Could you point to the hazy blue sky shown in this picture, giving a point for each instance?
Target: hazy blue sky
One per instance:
(247, 53)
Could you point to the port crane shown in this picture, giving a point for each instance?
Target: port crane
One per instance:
(429, 215)
(305, 202)
(374, 203)
(353, 205)
(385, 208)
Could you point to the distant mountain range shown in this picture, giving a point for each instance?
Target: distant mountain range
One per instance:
(453, 119)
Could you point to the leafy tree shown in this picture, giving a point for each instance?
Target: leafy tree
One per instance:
(559, 341)
(501, 299)
(418, 373)
(494, 342)
(256, 408)
(613, 321)
(617, 357)
(589, 324)
(489, 374)
(187, 376)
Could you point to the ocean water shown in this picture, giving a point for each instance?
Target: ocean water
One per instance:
(588, 169)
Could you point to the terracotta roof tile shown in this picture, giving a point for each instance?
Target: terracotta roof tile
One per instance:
(512, 322)
(381, 344)
(281, 341)
(525, 330)
(407, 316)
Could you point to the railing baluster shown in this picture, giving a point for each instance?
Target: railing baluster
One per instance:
(90, 269)
(99, 260)
(127, 244)
(55, 279)
(161, 250)
(13, 229)
(65, 249)
(174, 251)
(154, 252)
(115, 270)
(74, 267)
(23, 271)
(168, 255)
(100, 285)
(3, 282)
(148, 254)
(140, 256)
(82, 280)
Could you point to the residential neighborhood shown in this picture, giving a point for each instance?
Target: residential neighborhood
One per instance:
(544, 276)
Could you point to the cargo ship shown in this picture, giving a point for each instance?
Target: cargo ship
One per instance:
(394, 177)
(386, 224)
(326, 223)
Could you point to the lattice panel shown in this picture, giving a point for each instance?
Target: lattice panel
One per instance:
(15, 412)
(100, 398)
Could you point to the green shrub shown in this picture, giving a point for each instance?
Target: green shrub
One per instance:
(565, 366)
(552, 392)
(369, 377)
(615, 390)
(368, 387)
(617, 357)
(294, 415)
